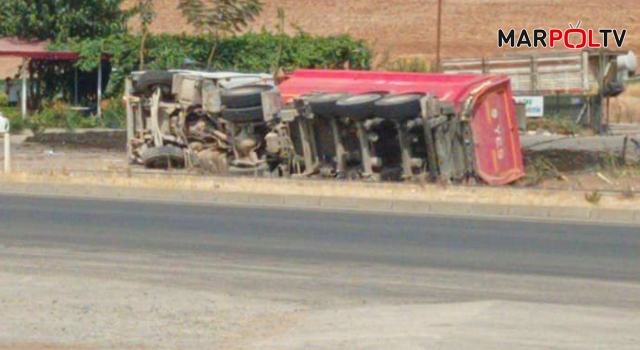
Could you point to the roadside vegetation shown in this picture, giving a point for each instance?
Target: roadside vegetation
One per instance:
(626, 107)
(59, 114)
(222, 42)
(557, 124)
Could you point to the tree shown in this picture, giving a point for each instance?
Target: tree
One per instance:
(219, 17)
(62, 20)
(146, 11)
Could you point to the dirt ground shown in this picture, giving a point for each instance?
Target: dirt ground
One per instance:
(98, 158)
(42, 158)
(83, 299)
(80, 298)
(408, 27)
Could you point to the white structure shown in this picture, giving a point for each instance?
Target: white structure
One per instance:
(4, 132)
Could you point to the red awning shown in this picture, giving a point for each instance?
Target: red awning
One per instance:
(33, 49)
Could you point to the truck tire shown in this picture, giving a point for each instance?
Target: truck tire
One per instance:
(163, 157)
(150, 81)
(244, 97)
(244, 115)
(358, 107)
(398, 107)
(325, 104)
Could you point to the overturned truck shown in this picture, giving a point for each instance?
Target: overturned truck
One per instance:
(332, 124)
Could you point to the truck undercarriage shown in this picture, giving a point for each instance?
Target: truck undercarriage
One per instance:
(241, 124)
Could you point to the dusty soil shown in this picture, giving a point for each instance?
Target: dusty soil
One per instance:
(555, 177)
(81, 298)
(408, 27)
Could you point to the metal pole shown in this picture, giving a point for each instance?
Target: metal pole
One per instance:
(23, 97)
(7, 153)
(439, 37)
(100, 89)
(128, 87)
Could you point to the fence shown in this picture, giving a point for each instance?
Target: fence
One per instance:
(574, 83)
(558, 73)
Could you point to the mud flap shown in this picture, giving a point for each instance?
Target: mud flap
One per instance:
(466, 135)
(443, 141)
(450, 148)
(429, 108)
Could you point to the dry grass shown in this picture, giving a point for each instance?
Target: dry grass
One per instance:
(408, 27)
(419, 192)
(626, 107)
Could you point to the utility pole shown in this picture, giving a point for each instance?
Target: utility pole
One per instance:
(439, 37)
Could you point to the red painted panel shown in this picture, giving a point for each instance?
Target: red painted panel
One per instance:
(497, 142)
(493, 113)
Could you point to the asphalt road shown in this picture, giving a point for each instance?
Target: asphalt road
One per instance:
(323, 258)
(514, 247)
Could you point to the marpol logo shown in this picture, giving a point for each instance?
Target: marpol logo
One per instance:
(571, 38)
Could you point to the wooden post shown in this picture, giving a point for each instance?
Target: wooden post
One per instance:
(534, 74)
(585, 71)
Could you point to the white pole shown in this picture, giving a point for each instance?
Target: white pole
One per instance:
(23, 97)
(7, 153)
(100, 89)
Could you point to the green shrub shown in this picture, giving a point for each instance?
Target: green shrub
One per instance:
(114, 115)
(251, 52)
(57, 114)
(38, 123)
(413, 65)
(10, 112)
(17, 124)
(559, 125)
(4, 100)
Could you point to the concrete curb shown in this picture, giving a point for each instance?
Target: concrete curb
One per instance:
(477, 210)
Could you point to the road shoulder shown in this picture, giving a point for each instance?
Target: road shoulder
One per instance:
(398, 199)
